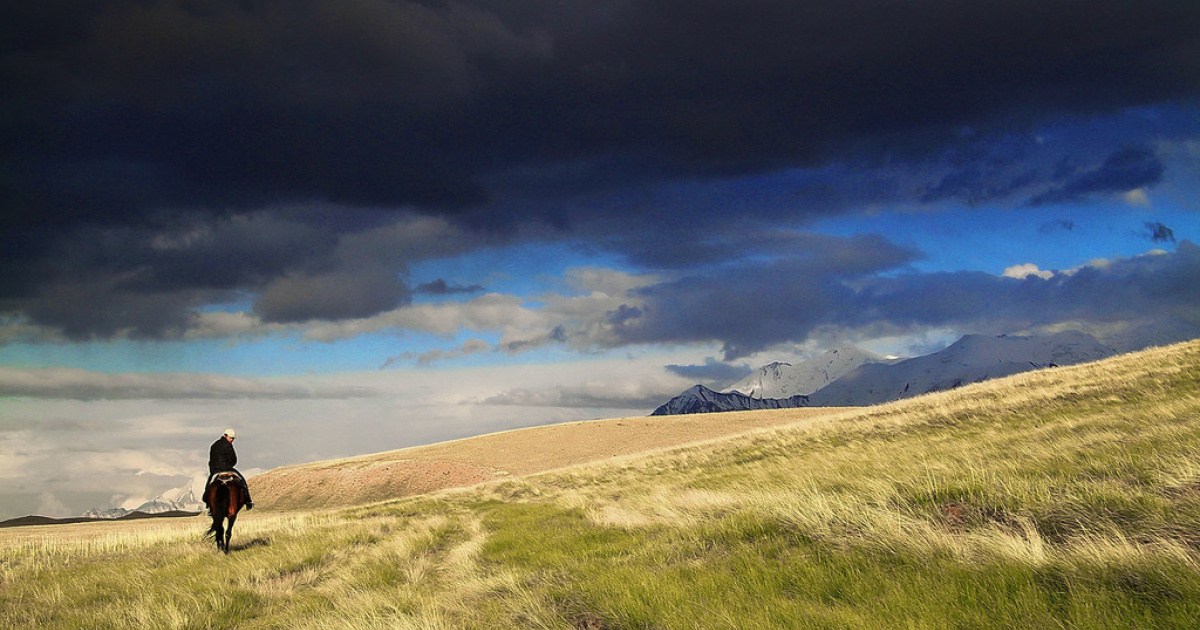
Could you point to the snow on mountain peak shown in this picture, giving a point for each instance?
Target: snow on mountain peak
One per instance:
(177, 500)
(847, 376)
(784, 380)
(971, 359)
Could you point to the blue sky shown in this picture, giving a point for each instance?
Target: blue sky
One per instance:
(427, 220)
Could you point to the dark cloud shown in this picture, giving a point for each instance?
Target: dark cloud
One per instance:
(759, 305)
(331, 296)
(1066, 167)
(1050, 227)
(1155, 285)
(147, 281)
(973, 185)
(149, 148)
(295, 264)
(441, 287)
(114, 109)
(713, 371)
(754, 305)
(1160, 233)
(100, 309)
(1127, 169)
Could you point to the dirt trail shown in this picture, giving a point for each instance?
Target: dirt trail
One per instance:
(465, 462)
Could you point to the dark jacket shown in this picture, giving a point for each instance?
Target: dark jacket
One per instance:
(221, 456)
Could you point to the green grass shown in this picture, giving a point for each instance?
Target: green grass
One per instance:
(1067, 498)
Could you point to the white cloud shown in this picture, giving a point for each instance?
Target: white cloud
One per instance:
(635, 391)
(1026, 270)
(219, 325)
(1137, 197)
(592, 292)
(135, 458)
(578, 320)
(608, 282)
(492, 311)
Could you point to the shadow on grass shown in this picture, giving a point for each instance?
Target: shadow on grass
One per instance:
(250, 544)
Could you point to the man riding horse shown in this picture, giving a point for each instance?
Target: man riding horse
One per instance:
(222, 458)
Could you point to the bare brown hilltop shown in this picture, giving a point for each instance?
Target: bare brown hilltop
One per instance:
(460, 463)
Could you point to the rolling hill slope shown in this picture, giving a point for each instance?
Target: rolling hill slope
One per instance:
(422, 469)
(1066, 497)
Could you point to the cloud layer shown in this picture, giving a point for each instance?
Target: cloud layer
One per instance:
(67, 383)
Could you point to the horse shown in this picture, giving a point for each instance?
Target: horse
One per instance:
(225, 499)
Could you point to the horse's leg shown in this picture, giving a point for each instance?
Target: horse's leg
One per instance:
(217, 529)
(229, 531)
(220, 507)
(230, 512)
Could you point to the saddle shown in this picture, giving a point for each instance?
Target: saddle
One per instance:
(224, 476)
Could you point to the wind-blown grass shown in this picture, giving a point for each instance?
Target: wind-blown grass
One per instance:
(1061, 498)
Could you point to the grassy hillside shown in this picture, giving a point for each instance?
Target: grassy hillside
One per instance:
(520, 452)
(1061, 498)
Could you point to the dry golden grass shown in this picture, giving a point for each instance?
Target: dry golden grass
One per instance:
(1062, 498)
(460, 463)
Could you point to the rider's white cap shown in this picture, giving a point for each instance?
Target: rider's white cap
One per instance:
(231, 433)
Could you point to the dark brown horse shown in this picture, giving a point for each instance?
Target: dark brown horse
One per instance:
(225, 499)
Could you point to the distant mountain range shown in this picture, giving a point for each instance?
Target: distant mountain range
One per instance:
(46, 520)
(784, 380)
(847, 376)
(700, 399)
(972, 359)
(178, 500)
(775, 386)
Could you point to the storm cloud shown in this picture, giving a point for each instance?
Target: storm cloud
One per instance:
(1125, 170)
(162, 156)
(117, 110)
(750, 309)
(712, 371)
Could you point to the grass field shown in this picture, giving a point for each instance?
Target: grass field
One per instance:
(1063, 498)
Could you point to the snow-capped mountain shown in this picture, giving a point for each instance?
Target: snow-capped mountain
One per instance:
(783, 380)
(178, 500)
(700, 399)
(971, 359)
(106, 512)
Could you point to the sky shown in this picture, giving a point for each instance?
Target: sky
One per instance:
(347, 227)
